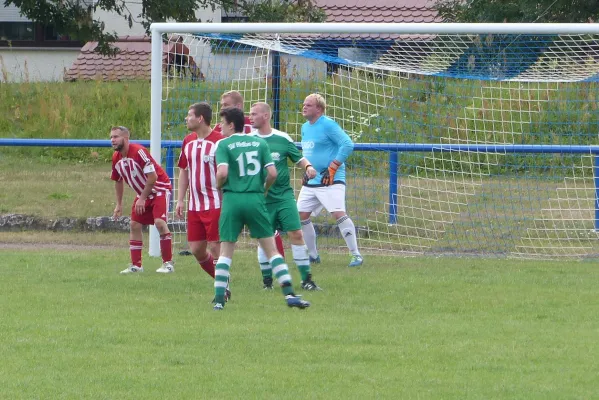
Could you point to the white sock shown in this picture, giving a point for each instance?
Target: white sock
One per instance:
(310, 237)
(300, 254)
(263, 259)
(348, 232)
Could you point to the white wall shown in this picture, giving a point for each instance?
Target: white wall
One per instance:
(115, 23)
(22, 65)
(223, 67)
(11, 13)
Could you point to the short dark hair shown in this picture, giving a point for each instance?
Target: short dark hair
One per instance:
(202, 109)
(121, 128)
(234, 115)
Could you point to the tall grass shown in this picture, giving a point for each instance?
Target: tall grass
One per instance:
(371, 107)
(81, 110)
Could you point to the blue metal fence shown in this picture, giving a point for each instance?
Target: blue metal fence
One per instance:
(394, 149)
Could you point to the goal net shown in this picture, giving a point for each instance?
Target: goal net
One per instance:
(467, 143)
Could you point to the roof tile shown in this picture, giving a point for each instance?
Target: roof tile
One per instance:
(380, 11)
(131, 62)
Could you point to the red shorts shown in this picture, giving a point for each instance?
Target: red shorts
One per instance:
(156, 208)
(203, 225)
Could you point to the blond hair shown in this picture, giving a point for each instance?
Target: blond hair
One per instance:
(264, 107)
(233, 95)
(320, 101)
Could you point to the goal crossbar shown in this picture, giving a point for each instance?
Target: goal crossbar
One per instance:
(378, 28)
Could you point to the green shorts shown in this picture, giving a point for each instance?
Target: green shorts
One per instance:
(239, 209)
(284, 215)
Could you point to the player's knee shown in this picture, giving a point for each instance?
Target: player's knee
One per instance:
(214, 248)
(135, 227)
(338, 214)
(161, 226)
(198, 249)
(304, 215)
(296, 237)
(201, 255)
(268, 246)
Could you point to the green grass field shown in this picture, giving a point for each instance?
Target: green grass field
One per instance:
(56, 189)
(398, 328)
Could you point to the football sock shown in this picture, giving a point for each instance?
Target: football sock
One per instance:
(265, 267)
(310, 237)
(221, 279)
(282, 274)
(300, 256)
(348, 232)
(166, 247)
(135, 247)
(208, 265)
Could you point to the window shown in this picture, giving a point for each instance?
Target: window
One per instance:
(17, 31)
(31, 34)
(50, 33)
(234, 14)
(233, 18)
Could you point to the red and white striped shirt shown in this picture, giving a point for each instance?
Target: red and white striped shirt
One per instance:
(198, 157)
(134, 167)
(247, 127)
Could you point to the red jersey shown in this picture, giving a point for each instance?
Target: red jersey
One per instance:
(247, 127)
(134, 167)
(198, 157)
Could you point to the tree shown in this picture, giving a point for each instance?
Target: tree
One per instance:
(76, 19)
(518, 10)
(282, 11)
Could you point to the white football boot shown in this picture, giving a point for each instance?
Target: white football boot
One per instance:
(166, 268)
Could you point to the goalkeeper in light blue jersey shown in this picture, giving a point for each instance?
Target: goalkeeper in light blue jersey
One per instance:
(326, 146)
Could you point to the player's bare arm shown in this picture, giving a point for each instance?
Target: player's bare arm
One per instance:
(222, 173)
(309, 171)
(182, 191)
(140, 204)
(119, 187)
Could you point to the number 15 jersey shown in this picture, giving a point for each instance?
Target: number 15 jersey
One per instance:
(247, 158)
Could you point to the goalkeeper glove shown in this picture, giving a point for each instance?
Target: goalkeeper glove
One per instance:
(328, 174)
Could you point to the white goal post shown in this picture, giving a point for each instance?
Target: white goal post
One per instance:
(445, 117)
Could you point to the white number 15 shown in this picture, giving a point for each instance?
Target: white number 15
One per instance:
(251, 166)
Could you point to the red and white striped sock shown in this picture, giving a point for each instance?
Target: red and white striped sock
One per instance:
(166, 247)
(135, 247)
(208, 265)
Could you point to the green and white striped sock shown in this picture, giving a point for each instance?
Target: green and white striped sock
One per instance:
(265, 267)
(302, 260)
(281, 272)
(221, 278)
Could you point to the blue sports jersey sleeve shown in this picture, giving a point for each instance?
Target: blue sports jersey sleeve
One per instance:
(341, 139)
(323, 142)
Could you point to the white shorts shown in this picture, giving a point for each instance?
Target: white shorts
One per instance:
(312, 199)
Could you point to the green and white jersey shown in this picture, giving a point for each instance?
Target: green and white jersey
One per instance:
(247, 157)
(281, 148)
